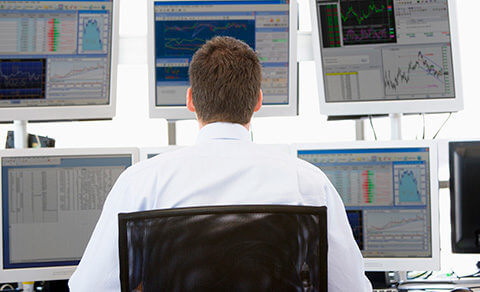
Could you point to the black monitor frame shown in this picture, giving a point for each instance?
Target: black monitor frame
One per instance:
(465, 205)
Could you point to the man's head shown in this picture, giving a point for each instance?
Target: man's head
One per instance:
(225, 77)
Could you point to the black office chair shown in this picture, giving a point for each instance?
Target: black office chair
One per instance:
(228, 248)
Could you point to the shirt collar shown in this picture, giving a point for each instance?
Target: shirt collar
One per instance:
(223, 131)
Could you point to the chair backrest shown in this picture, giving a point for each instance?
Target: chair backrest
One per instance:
(224, 248)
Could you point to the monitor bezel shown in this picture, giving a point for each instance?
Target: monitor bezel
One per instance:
(144, 152)
(182, 113)
(399, 264)
(456, 194)
(73, 113)
(58, 272)
(390, 107)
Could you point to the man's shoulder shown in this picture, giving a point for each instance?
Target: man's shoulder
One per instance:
(162, 159)
(277, 153)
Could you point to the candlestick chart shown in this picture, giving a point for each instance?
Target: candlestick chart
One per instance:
(416, 71)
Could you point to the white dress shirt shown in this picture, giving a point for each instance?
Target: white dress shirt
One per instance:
(223, 168)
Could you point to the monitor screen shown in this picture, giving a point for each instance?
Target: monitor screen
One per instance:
(386, 193)
(51, 204)
(181, 27)
(55, 53)
(246, 248)
(385, 50)
(464, 186)
(150, 152)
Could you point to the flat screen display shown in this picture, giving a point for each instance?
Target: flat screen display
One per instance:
(51, 204)
(385, 50)
(55, 53)
(181, 27)
(386, 193)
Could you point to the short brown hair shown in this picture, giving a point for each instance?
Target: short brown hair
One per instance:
(225, 75)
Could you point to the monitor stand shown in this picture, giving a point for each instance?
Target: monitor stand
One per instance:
(172, 132)
(20, 135)
(56, 286)
(396, 126)
(379, 280)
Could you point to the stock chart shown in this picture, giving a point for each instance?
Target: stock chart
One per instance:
(416, 70)
(22, 78)
(367, 21)
(181, 38)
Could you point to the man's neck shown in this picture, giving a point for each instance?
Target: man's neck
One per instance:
(202, 124)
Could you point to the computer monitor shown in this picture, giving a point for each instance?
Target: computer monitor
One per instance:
(390, 192)
(178, 28)
(386, 56)
(226, 248)
(464, 198)
(58, 59)
(150, 152)
(51, 202)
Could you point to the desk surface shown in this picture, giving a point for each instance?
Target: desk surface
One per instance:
(434, 286)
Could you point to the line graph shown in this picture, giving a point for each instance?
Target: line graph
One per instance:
(400, 230)
(396, 223)
(172, 73)
(416, 71)
(22, 78)
(410, 184)
(360, 16)
(77, 77)
(367, 21)
(182, 38)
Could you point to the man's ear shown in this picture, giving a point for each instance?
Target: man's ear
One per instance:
(259, 103)
(190, 105)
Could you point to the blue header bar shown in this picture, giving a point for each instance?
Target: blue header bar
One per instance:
(224, 13)
(64, 0)
(362, 151)
(183, 3)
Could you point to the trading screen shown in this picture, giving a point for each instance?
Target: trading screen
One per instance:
(55, 53)
(385, 50)
(53, 199)
(181, 27)
(386, 193)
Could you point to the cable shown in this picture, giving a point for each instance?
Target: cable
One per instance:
(429, 275)
(417, 275)
(474, 275)
(441, 127)
(423, 116)
(7, 286)
(251, 132)
(373, 128)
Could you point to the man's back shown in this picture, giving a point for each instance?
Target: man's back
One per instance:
(223, 168)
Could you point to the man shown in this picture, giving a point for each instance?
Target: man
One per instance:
(223, 168)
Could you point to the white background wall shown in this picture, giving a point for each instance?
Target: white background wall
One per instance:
(132, 127)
